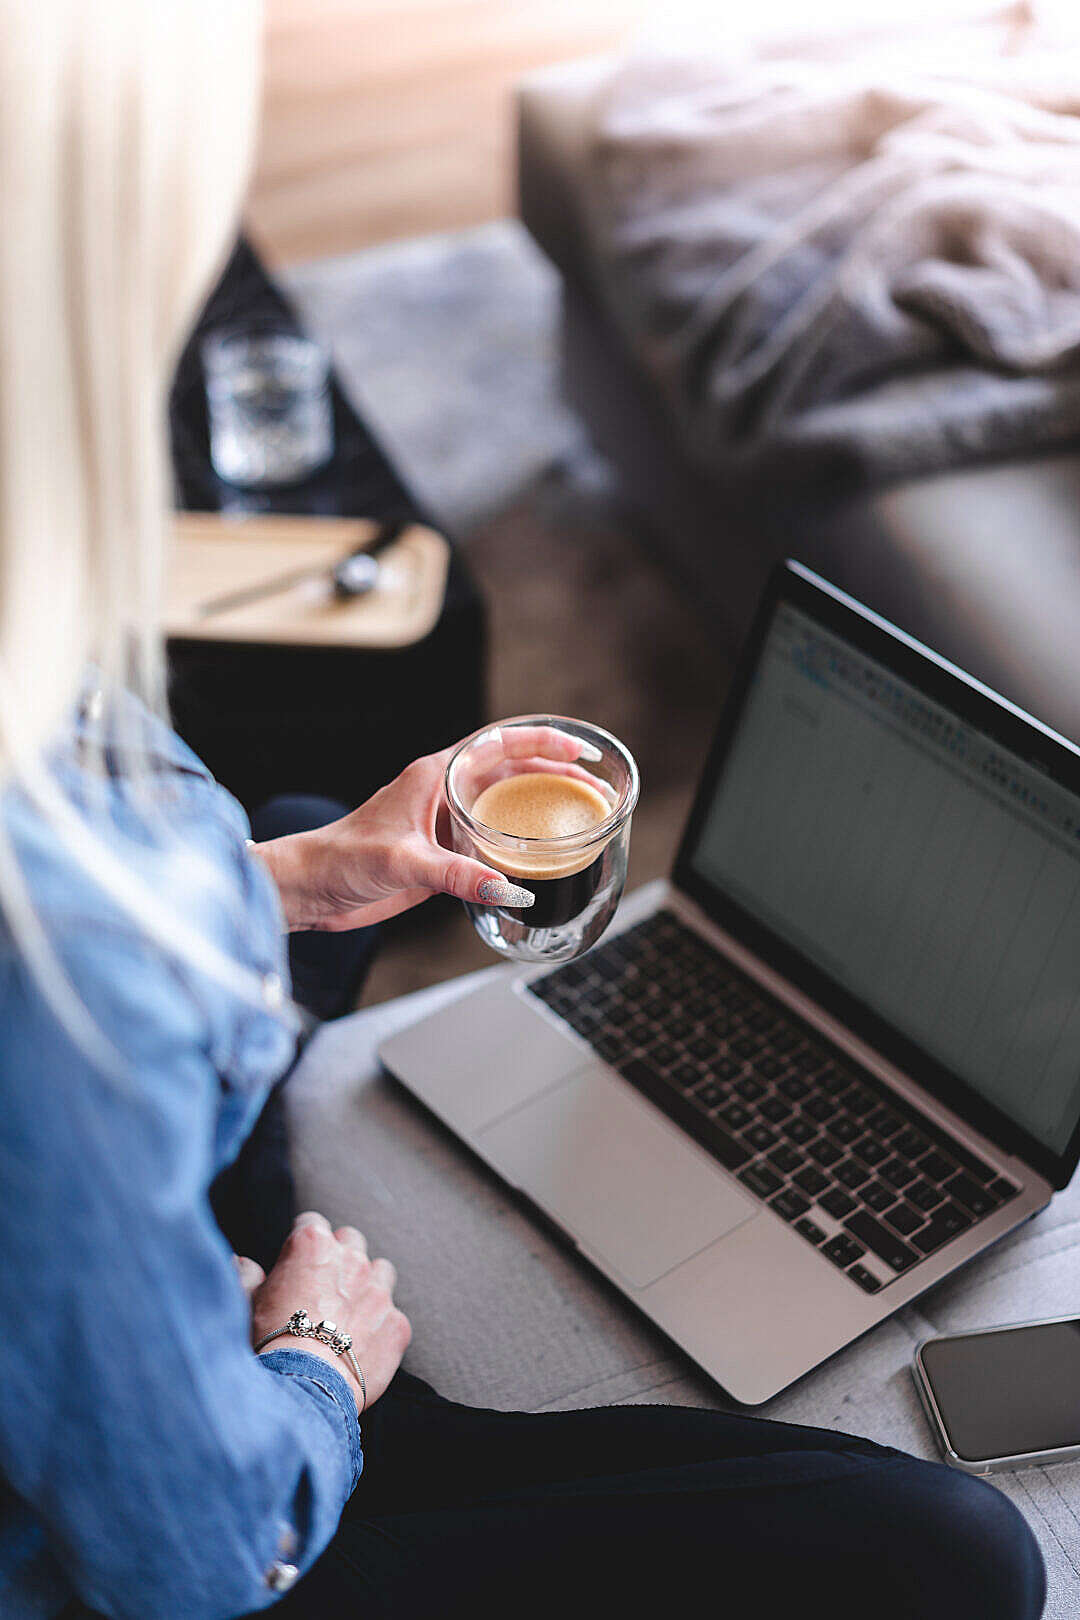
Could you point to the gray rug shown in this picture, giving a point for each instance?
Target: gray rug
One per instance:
(448, 346)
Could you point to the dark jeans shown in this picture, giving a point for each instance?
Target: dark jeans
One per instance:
(327, 969)
(647, 1511)
(633, 1511)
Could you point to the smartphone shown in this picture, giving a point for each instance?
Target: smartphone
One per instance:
(1006, 1397)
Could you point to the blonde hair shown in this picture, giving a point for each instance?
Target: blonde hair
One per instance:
(126, 130)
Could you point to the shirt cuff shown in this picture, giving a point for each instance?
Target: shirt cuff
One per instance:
(331, 1388)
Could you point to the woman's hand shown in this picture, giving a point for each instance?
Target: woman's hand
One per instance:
(329, 1275)
(387, 855)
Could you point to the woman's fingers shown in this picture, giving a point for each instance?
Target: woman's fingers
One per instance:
(384, 1274)
(327, 1273)
(352, 1239)
(519, 742)
(428, 866)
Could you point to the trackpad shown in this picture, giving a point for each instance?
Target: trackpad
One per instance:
(606, 1166)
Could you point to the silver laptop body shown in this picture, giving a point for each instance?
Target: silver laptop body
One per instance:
(880, 868)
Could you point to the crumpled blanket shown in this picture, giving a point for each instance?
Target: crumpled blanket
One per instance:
(850, 259)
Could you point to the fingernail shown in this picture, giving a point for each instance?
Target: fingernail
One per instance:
(493, 893)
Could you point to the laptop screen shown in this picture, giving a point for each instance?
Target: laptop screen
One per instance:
(907, 855)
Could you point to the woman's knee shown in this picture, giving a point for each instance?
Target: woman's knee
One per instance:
(980, 1559)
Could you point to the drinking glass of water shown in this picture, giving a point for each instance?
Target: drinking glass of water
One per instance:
(560, 830)
(268, 399)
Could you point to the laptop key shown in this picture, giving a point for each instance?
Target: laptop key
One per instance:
(750, 1090)
(820, 1108)
(909, 1144)
(843, 1251)
(1002, 1189)
(736, 1116)
(810, 1060)
(681, 1028)
(833, 1081)
(760, 1179)
(810, 1231)
(878, 1197)
(725, 1068)
(925, 1196)
(685, 1075)
(836, 1203)
(711, 1095)
(860, 1102)
(978, 1199)
(941, 1228)
(865, 1279)
(825, 1152)
(885, 1244)
(760, 1137)
(935, 1168)
(811, 1181)
(800, 1130)
(700, 1046)
(974, 1167)
(897, 1173)
(573, 973)
(870, 1151)
(845, 1129)
(851, 1174)
(786, 1159)
(904, 1219)
(775, 1110)
(585, 1021)
(769, 1066)
(611, 1047)
(789, 1204)
(793, 1088)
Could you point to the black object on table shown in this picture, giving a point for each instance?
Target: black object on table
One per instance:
(325, 720)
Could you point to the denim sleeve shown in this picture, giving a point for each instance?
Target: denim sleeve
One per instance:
(169, 1465)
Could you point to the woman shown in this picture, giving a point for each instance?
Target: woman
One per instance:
(153, 1464)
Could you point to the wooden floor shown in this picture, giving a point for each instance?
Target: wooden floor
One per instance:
(390, 118)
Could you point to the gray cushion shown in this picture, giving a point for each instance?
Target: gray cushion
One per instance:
(504, 1316)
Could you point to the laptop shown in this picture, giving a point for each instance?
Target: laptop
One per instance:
(837, 1055)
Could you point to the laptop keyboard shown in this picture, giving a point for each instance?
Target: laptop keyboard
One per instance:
(860, 1174)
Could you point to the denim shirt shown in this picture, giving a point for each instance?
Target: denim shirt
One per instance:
(150, 1463)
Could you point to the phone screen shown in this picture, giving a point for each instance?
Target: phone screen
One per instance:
(1007, 1392)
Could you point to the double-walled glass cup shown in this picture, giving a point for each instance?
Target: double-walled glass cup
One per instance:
(578, 878)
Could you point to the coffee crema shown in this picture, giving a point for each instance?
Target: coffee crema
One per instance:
(543, 805)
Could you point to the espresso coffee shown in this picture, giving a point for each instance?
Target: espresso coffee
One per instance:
(543, 805)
